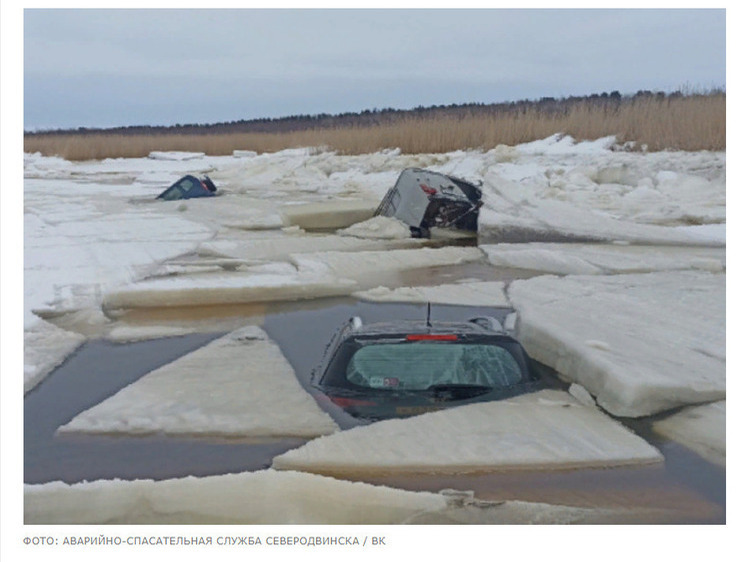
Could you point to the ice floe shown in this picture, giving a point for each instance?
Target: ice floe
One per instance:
(481, 293)
(260, 283)
(604, 259)
(45, 347)
(363, 266)
(237, 386)
(271, 497)
(700, 428)
(328, 214)
(546, 429)
(264, 497)
(639, 343)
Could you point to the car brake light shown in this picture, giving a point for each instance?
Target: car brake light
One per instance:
(428, 190)
(348, 402)
(437, 337)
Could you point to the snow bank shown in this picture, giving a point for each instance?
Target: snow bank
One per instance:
(487, 293)
(639, 343)
(378, 227)
(45, 346)
(250, 498)
(700, 428)
(237, 386)
(547, 429)
(604, 259)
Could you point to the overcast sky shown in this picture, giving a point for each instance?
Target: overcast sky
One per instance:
(102, 68)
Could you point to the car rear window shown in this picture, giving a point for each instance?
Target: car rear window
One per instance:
(418, 366)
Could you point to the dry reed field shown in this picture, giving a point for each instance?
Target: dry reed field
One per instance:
(690, 122)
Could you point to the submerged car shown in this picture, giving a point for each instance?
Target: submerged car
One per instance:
(423, 200)
(404, 368)
(189, 187)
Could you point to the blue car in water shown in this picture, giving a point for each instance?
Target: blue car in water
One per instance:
(404, 368)
(189, 187)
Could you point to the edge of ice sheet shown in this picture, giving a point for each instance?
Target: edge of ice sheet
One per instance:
(255, 284)
(45, 347)
(329, 214)
(546, 429)
(601, 259)
(271, 497)
(312, 275)
(361, 265)
(639, 343)
(239, 385)
(485, 293)
(264, 497)
(699, 428)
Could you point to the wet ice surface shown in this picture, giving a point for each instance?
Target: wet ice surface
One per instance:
(488, 436)
(102, 259)
(239, 385)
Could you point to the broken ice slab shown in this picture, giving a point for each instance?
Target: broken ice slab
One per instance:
(45, 347)
(564, 201)
(265, 497)
(361, 266)
(604, 259)
(240, 385)
(483, 293)
(264, 283)
(279, 246)
(273, 497)
(312, 275)
(543, 430)
(329, 214)
(639, 343)
(699, 428)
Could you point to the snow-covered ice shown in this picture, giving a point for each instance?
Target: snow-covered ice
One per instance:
(239, 385)
(545, 429)
(556, 189)
(604, 259)
(479, 293)
(264, 497)
(260, 283)
(637, 323)
(93, 229)
(46, 346)
(639, 343)
(271, 497)
(329, 214)
(363, 266)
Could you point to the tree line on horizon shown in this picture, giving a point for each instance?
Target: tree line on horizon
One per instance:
(374, 117)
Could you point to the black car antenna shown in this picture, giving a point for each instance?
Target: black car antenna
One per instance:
(428, 316)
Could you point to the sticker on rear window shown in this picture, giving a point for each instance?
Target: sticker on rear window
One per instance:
(383, 382)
